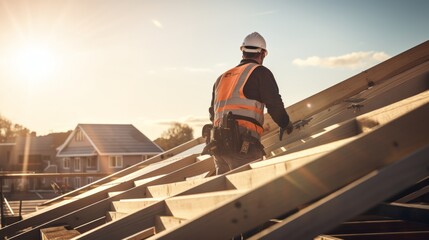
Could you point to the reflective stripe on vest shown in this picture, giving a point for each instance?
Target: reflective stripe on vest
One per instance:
(229, 97)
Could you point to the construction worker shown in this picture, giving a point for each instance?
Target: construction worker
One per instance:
(239, 96)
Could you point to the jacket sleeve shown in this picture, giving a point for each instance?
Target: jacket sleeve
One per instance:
(211, 108)
(270, 96)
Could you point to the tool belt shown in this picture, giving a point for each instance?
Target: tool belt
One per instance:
(227, 138)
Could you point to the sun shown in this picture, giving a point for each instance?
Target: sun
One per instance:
(34, 62)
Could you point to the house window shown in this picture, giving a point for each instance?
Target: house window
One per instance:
(115, 161)
(78, 136)
(89, 180)
(77, 164)
(66, 163)
(77, 182)
(5, 183)
(66, 182)
(91, 162)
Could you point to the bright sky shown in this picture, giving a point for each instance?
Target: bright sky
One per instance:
(150, 63)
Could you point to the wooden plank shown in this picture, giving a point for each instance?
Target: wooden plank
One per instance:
(349, 201)
(129, 226)
(146, 180)
(411, 235)
(314, 136)
(112, 216)
(385, 114)
(56, 233)
(167, 222)
(124, 172)
(132, 205)
(91, 224)
(98, 209)
(190, 206)
(171, 189)
(299, 157)
(53, 213)
(421, 192)
(249, 177)
(325, 237)
(142, 235)
(264, 171)
(312, 180)
(334, 133)
(413, 81)
(403, 211)
(111, 194)
(378, 226)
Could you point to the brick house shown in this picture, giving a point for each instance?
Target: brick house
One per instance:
(30, 154)
(102, 148)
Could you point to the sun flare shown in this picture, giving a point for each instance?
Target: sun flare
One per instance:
(34, 62)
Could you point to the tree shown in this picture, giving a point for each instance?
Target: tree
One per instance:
(9, 131)
(174, 136)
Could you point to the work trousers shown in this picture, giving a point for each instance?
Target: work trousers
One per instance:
(226, 162)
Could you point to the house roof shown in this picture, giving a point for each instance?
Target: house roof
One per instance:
(43, 145)
(109, 139)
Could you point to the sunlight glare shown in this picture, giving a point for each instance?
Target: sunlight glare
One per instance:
(34, 62)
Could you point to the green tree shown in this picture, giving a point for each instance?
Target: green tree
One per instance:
(174, 136)
(9, 131)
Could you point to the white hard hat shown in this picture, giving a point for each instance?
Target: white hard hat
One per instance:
(254, 43)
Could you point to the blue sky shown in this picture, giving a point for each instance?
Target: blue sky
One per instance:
(150, 63)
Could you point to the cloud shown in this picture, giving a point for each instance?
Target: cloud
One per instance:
(352, 60)
(157, 23)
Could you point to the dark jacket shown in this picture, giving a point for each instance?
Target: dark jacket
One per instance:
(262, 86)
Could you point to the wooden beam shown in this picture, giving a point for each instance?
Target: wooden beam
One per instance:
(142, 235)
(167, 222)
(124, 172)
(404, 85)
(411, 235)
(377, 226)
(300, 157)
(385, 114)
(325, 237)
(171, 189)
(410, 197)
(127, 226)
(133, 205)
(312, 180)
(54, 213)
(112, 216)
(87, 213)
(122, 228)
(408, 212)
(54, 233)
(352, 199)
(314, 136)
(190, 206)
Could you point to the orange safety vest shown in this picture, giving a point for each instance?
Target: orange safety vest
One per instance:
(229, 97)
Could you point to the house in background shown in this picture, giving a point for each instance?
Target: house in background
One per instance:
(102, 148)
(30, 154)
(5, 157)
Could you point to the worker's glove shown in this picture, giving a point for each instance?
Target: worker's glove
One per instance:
(288, 129)
(206, 132)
